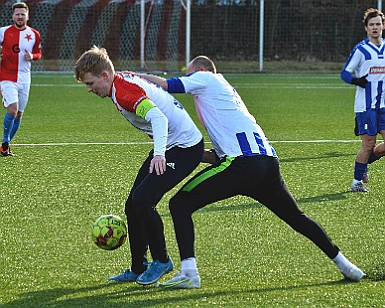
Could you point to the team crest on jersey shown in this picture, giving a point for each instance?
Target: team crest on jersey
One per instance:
(15, 48)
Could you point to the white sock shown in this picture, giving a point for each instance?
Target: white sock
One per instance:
(355, 181)
(189, 267)
(342, 263)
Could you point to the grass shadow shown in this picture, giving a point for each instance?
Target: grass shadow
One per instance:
(327, 155)
(133, 295)
(325, 197)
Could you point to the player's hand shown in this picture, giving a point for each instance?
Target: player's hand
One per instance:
(28, 56)
(209, 156)
(158, 163)
(360, 81)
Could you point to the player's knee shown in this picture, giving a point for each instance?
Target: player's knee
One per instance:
(13, 109)
(175, 204)
(129, 207)
(143, 203)
(179, 204)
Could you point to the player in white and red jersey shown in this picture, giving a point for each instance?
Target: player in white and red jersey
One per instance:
(246, 165)
(367, 62)
(20, 45)
(178, 149)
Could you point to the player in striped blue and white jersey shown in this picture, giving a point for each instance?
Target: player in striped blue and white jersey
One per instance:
(365, 68)
(246, 165)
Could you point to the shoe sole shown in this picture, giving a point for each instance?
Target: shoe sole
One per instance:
(355, 276)
(119, 280)
(7, 153)
(182, 284)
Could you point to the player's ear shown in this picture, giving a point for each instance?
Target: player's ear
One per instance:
(105, 75)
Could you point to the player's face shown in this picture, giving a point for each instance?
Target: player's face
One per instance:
(20, 17)
(97, 84)
(374, 27)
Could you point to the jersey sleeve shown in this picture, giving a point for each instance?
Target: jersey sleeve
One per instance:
(351, 66)
(175, 85)
(37, 51)
(346, 76)
(130, 95)
(159, 124)
(194, 84)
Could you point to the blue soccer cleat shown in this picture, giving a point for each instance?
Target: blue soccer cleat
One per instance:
(156, 270)
(127, 276)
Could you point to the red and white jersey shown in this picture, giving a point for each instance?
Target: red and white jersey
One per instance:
(15, 43)
(128, 91)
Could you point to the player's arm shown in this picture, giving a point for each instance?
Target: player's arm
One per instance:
(171, 85)
(37, 52)
(155, 79)
(159, 123)
(349, 78)
(352, 65)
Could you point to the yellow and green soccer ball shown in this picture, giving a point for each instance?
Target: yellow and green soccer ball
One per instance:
(109, 232)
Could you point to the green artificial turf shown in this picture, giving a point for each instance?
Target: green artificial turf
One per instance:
(76, 158)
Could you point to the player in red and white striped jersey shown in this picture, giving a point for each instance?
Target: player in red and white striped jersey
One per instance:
(20, 45)
(178, 149)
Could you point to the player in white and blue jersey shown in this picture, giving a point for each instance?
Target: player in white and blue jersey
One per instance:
(365, 68)
(246, 164)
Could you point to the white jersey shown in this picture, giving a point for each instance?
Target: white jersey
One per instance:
(232, 129)
(129, 90)
(368, 59)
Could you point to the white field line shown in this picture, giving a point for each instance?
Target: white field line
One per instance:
(249, 85)
(255, 85)
(150, 142)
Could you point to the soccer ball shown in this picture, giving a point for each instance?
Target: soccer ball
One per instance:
(109, 232)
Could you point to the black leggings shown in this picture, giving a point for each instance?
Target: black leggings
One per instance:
(145, 226)
(257, 177)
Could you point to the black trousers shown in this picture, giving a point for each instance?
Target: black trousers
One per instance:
(257, 177)
(145, 226)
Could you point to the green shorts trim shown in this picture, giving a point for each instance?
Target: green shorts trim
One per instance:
(208, 174)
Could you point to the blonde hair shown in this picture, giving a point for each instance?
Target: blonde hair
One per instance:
(20, 5)
(94, 61)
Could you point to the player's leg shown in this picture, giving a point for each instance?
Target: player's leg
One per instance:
(9, 92)
(216, 182)
(275, 195)
(23, 101)
(180, 163)
(16, 125)
(367, 129)
(379, 150)
(136, 233)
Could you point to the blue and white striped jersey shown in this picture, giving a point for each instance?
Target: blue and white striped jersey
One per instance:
(232, 129)
(367, 59)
